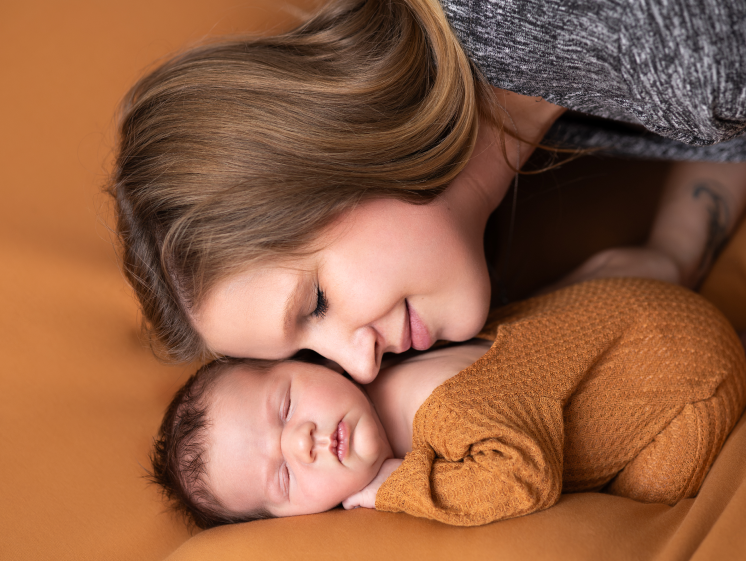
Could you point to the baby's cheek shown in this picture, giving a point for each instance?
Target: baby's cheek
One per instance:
(367, 443)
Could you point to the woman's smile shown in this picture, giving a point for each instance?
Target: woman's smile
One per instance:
(420, 338)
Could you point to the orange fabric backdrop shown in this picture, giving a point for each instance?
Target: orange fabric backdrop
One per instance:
(81, 396)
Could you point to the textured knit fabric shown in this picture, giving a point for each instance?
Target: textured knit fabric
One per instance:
(677, 67)
(624, 384)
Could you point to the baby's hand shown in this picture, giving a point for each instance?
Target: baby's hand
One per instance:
(366, 497)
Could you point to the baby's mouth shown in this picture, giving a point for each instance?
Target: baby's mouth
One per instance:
(340, 441)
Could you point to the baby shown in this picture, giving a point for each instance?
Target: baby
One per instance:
(623, 385)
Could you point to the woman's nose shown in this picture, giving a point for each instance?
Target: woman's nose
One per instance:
(298, 442)
(359, 353)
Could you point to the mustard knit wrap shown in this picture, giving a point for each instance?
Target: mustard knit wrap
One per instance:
(625, 385)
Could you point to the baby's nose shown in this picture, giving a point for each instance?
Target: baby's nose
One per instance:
(306, 442)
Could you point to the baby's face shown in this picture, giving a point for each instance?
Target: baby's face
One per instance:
(296, 440)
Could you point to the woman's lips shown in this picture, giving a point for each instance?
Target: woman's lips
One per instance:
(421, 340)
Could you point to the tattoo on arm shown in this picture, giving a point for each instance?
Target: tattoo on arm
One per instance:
(717, 228)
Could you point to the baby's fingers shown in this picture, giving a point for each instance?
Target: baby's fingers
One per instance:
(351, 502)
(357, 500)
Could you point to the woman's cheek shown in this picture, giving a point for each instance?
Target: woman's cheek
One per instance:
(478, 306)
(477, 318)
(466, 315)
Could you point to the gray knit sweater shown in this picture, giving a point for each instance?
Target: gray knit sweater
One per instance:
(646, 78)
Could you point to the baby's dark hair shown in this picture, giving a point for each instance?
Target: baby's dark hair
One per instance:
(178, 455)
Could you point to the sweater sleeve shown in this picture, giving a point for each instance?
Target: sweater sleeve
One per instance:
(676, 67)
(479, 466)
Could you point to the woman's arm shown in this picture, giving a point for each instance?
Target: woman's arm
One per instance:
(701, 204)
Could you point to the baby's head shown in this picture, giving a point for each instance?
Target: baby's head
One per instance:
(244, 440)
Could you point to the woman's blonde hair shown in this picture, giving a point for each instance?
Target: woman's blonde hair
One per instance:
(240, 152)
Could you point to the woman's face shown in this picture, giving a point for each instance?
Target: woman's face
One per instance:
(388, 276)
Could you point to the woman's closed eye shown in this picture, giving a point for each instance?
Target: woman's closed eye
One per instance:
(322, 304)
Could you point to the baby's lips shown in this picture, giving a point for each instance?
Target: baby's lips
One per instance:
(342, 437)
(333, 442)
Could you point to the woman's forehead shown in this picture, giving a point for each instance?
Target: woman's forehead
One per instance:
(251, 309)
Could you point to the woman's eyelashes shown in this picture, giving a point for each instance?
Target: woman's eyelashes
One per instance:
(322, 304)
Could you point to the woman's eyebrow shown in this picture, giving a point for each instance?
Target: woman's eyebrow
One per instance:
(292, 304)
